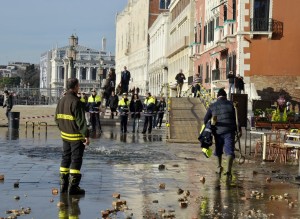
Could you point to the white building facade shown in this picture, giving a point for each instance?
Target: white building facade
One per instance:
(158, 63)
(132, 43)
(181, 37)
(55, 65)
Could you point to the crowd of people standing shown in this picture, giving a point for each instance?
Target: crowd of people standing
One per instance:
(120, 104)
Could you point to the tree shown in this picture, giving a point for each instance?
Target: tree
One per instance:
(31, 76)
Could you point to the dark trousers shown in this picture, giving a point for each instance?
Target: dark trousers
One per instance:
(113, 111)
(124, 120)
(95, 121)
(224, 142)
(196, 90)
(72, 154)
(159, 119)
(154, 119)
(124, 87)
(147, 123)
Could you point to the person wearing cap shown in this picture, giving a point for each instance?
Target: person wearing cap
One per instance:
(123, 107)
(8, 102)
(222, 116)
(70, 119)
(94, 102)
(149, 105)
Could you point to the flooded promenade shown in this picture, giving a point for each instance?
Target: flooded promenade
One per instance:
(157, 179)
(129, 165)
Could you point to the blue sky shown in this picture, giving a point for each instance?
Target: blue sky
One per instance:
(29, 28)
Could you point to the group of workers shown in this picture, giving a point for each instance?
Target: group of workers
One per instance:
(152, 108)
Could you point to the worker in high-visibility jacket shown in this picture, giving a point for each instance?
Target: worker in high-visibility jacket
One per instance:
(94, 102)
(123, 107)
(149, 105)
(70, 118)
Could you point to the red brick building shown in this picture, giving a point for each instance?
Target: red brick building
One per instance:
(256, 39)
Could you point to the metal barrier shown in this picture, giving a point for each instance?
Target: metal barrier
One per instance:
(26, 125)
(33, 124)
(42, 124)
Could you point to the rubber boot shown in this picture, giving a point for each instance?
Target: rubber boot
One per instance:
(219, 167)
(64, 182)
(230, 159)
(74, 188)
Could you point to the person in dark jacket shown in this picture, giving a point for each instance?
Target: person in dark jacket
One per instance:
(149, 104)
(70, 118)
(8, 102)
(222, 116)
(136, 107)
(161, 108)
(123, 107)
(113, 104)
(180, 77)
(125, 78)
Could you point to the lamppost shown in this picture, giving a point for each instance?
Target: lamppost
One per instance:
(69, 65)
(101, 71)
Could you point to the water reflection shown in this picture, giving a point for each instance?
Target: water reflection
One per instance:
(69, 207)
(12, 134)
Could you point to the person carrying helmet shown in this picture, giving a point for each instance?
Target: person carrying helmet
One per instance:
(70, 118)
(94, 102)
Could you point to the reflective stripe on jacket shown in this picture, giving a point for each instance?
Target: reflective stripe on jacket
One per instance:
(149, 105)
(94, 103)
(70, 118)
(123, 106)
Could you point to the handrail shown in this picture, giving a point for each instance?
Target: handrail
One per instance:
(205, 96)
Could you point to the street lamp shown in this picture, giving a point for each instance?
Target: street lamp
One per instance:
(101, 71)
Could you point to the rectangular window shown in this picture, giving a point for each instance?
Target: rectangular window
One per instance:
(205, 35)
(94, 73)
(200, 34)
(234, 9)
(225, 13)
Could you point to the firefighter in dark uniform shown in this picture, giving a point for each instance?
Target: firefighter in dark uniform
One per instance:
(94, 103)
(123, 107)
(70, 118)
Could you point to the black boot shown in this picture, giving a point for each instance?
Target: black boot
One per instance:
(74, 188)
(64, 182)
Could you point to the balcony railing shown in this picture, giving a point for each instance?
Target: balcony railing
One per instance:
(261, 24)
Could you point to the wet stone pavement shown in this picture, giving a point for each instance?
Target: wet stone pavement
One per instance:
(186, 187)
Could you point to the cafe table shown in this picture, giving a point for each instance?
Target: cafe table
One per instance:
(264, 135)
